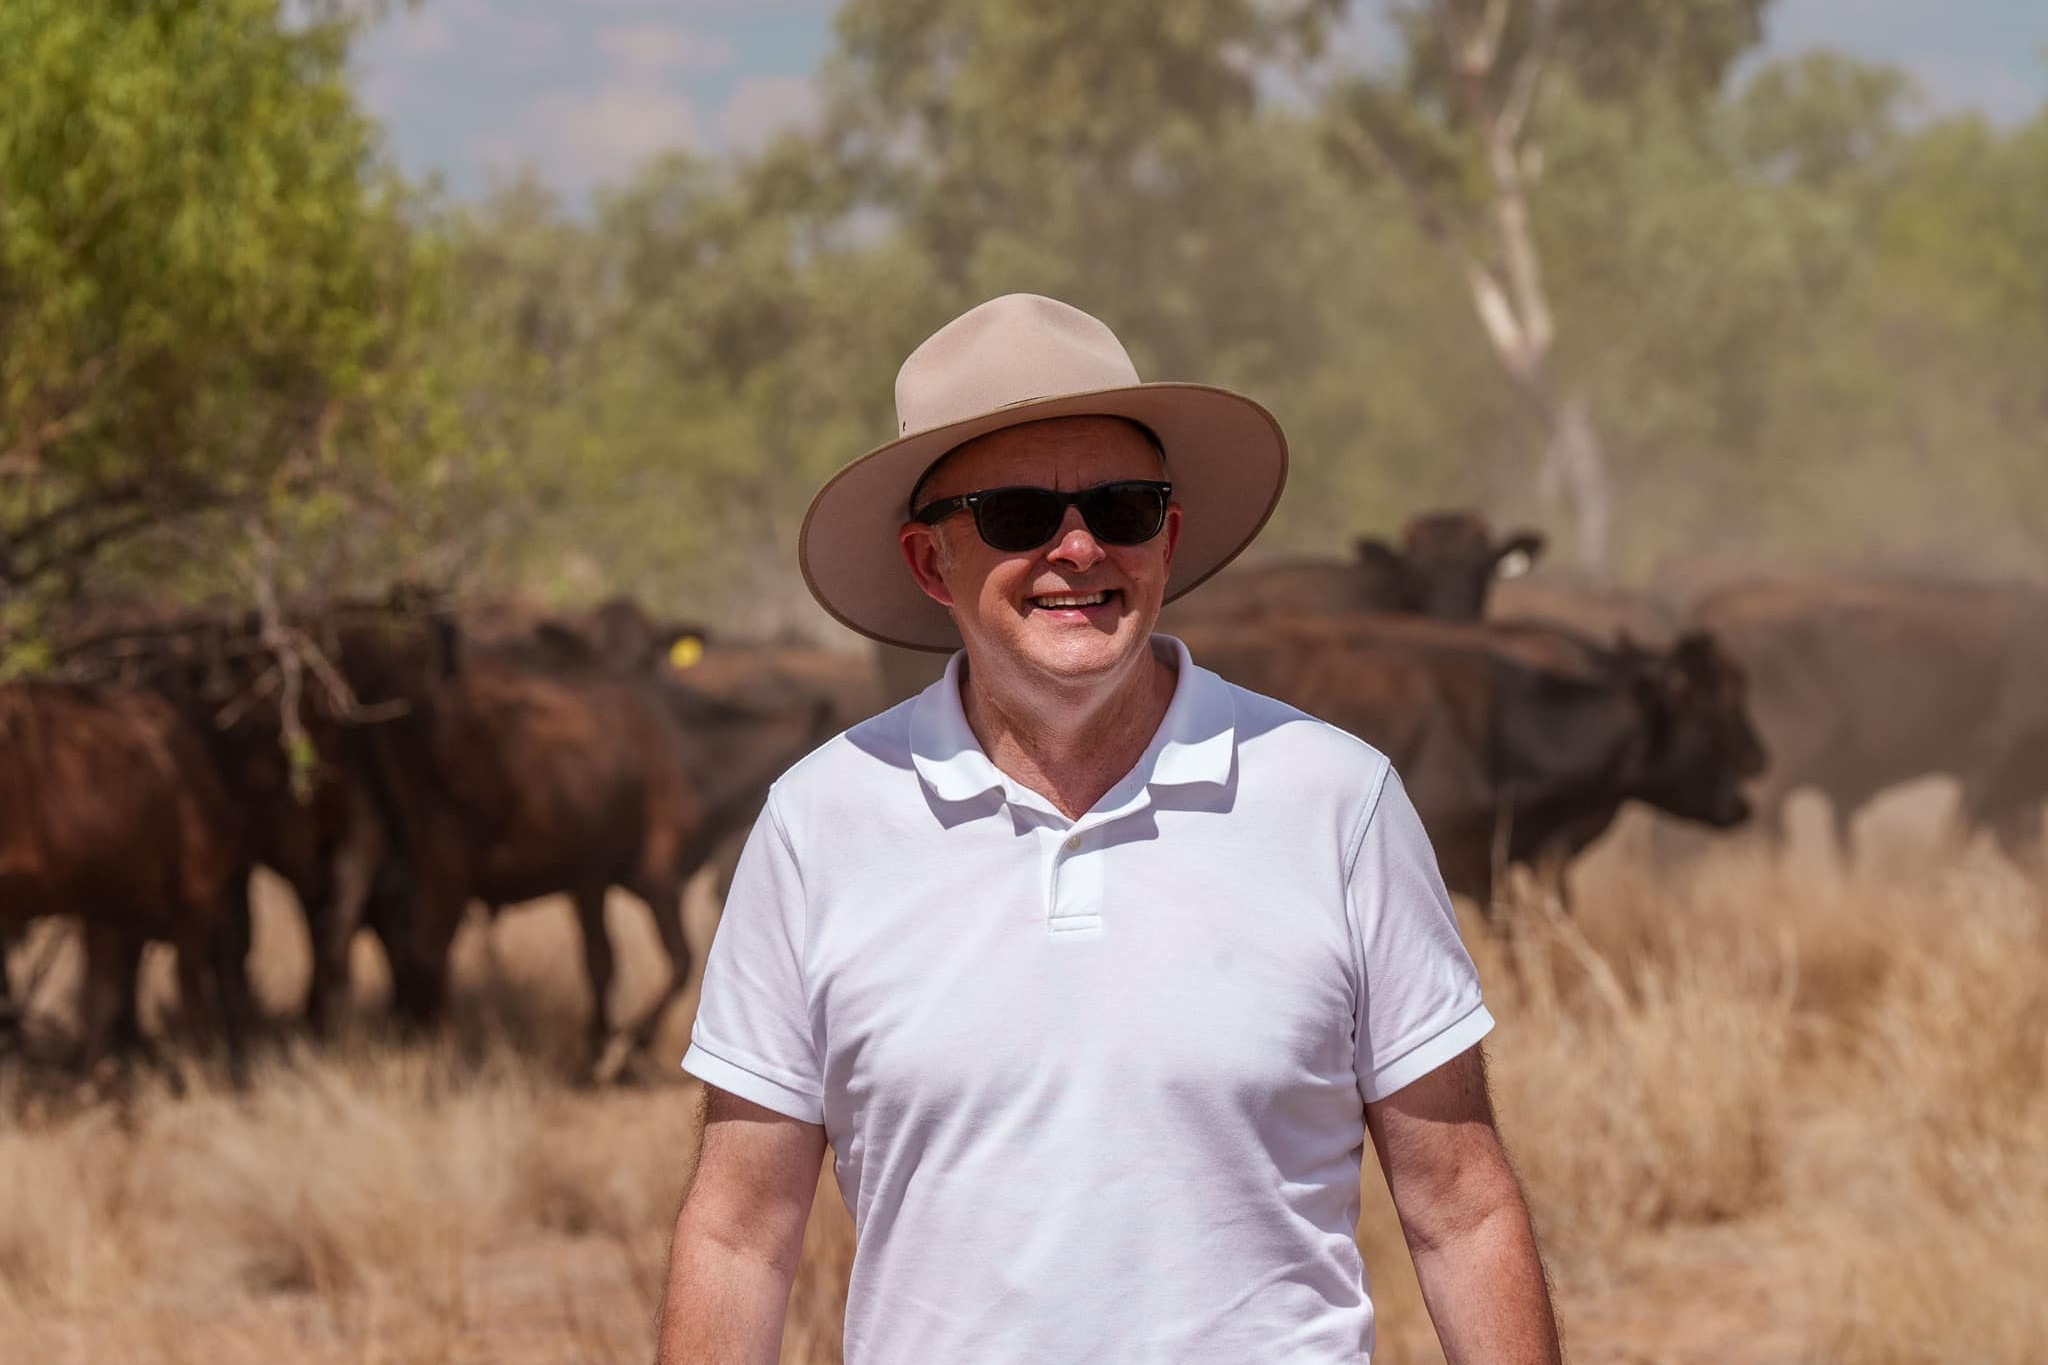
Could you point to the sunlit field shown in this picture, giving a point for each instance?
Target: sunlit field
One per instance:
(1768, 1110)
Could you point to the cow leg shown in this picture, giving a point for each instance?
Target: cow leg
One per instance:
(664, 897)
(125, 1033)
(111, 955)
(126, 1037)
(213, 977)
(597, 970)
(353, 868)
(315, 890)
(416, 909)
(1842, 818)
(10, 1008)
(227, 952)
(2008, 799)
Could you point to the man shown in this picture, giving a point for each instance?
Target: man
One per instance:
(1094, 971)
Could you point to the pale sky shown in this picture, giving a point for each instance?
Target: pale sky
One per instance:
(584, 90)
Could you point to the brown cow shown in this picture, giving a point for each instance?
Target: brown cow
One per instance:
(845, 680)
(1518, 745)
(1862, 683)
(1445, 567)
(847, 683)
(313, 819)
(525, 780)
(111, 813)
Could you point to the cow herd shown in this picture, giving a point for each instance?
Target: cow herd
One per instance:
(1524, 712)
(396, 762)
(392, 767)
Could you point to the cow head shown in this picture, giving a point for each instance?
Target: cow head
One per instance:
(1447, 563)
(617, 637)
(1703, 743)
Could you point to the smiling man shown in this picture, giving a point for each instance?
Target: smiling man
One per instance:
(1095, 972)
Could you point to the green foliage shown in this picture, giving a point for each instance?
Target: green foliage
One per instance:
(206, 289)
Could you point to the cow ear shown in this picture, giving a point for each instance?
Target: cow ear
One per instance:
(1374, 553)
(1518, 554)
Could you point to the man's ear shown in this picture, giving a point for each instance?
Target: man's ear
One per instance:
(1172, 532)
(923, 553)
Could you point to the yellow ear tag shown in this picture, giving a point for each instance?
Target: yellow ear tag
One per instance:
(686, 652)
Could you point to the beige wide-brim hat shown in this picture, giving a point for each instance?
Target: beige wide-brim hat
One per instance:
(1024, 358)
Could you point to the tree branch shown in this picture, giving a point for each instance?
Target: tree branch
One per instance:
(1530, 71)
(74, 532)
(25, 456)
(1512, 231)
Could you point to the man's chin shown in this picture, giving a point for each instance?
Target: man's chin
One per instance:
(1075, 653)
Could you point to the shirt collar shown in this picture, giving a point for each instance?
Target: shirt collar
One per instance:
(1196, 741)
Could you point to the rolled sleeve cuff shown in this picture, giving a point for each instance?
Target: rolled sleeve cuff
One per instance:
(735, 1079)
(1426, 1056)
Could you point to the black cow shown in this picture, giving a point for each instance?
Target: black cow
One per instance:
(1518, 746)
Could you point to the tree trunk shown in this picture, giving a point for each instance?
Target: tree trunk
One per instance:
(1575, 465)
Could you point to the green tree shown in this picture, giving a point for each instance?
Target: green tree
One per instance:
(1132, 158)
(210, 297)
(1459, 124)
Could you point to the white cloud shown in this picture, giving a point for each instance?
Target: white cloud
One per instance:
(578, 140)
(651, 48)
(762, 106)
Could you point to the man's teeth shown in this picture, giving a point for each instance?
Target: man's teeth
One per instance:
(1093, 599)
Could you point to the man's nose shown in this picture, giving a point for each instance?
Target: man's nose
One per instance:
(1076, 546)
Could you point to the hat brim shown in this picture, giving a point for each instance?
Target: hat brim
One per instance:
(1225, 454)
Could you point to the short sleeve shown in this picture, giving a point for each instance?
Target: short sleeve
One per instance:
(753, 1031)
(1418, 998)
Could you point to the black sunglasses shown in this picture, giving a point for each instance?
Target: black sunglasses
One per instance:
(1128, 512)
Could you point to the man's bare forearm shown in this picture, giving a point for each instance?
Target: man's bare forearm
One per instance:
(725, 1303)
(1486, 1291)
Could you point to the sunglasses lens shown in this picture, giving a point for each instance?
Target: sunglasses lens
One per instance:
(1124, 513)
(1016, 519)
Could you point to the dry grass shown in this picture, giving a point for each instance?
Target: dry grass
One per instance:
(1765, 1111)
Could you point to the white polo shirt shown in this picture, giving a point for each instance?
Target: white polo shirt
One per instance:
(1095, 1087)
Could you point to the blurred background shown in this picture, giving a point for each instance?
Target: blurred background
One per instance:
(522, 306)
(584, 298)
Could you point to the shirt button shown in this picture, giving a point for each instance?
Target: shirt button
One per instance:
(1073, 842)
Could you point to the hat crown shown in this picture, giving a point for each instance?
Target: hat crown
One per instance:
(1015, 349)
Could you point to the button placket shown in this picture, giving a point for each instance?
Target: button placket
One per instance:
(1074, 884)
